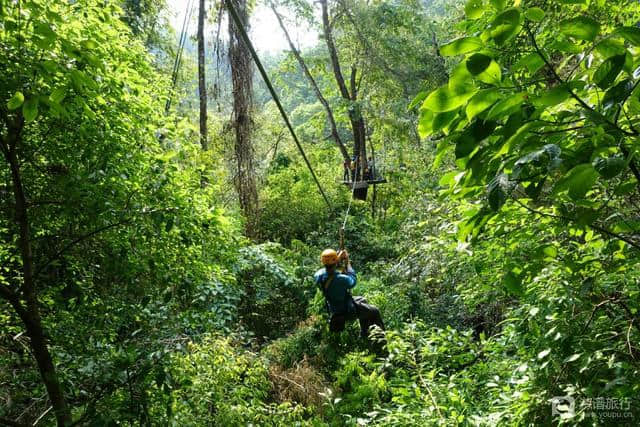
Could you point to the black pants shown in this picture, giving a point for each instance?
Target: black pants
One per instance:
(368, 315)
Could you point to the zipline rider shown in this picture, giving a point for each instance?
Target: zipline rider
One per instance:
(336, 288)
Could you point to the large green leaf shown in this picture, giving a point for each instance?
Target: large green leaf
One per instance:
(430, 122)
(506, 106)
(477, 63)
(30, 109)
(610, 47)
(472, 136)
(618, 93)
(513, 284)
(481, 101)
(610, 167)
(484, 68)
(492, 75)
(425, 123)
(461, 46)
(537, 162)
(57, 95)
(532, 62)
(498, 4)
(552, 97)
(534, 14)
(631, 34)
(607, 72)
(578, 181)
(442, 120)
(444, 99)
(582, 28)
(16, 101)
(517, 138)
(461, 80)
(506, 25)
(474, 9)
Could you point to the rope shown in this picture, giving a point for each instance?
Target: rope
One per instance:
(346, 216)
(265, 77)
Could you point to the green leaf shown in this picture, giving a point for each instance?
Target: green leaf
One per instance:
(516, 138)
(484, 68)
(512, 283)
(506, 106)
(46, 35)
(481, 101)
(461, 46)
(425, 123)
(57, 95)
(534, 14)
(505, 26)
(578, 181)
(630, 34)
(533, 164)
(16, 101)
(477, 63)
(473, 136)
(30, 109)
(565, 46)
(610, 47)
(498, 4)
(610, 167)
(419, 99)
(618, 93)
(532, 62)
(443, 99)
(474, 9)
(582, 28)
(442, 120)
(607, 72)
(553, 97)
(492, 75)
(461, 80)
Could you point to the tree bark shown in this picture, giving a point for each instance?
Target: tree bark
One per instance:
(355, 115)
(242, 81)
(202, 88)
(29, 312)
(316, 89)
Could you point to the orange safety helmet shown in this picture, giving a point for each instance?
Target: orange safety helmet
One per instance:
(329, 257)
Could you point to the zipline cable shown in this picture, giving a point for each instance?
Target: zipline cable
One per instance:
(265, 77)
(178, 61)
(346, 216)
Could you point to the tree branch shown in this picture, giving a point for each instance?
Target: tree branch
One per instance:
(334, 128)
(333, 53)
(594, 226)
(580, 101)
(559, 79)
(79, 240)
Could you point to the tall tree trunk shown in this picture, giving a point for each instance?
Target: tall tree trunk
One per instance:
(355, 115)
(202, 88)
(29, 312)
(242, 80)
(314, 85)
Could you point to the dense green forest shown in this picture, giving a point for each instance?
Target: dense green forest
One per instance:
(160, 223)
